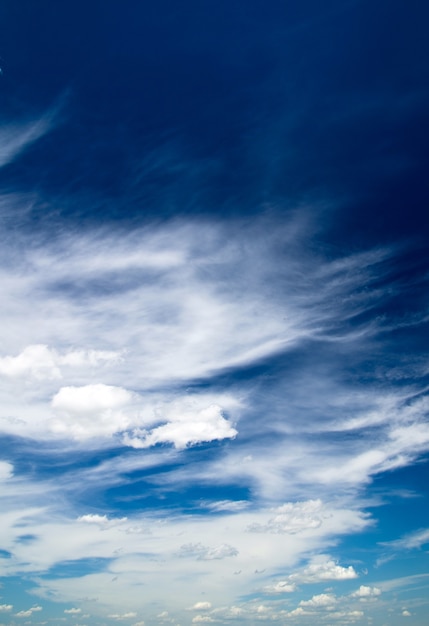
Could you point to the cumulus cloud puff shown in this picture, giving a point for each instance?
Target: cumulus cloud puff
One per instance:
(320, 600)
(40, 362)
(292, 518)
(201, 606)
(90, 411)
(365, 591)
(205, 553)
(321, 569)
(185, 429)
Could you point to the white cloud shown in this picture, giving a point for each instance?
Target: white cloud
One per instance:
(4, 608)
(90, 411)
(406, 613)
(124, 616)
(73, 611)
(365, 591)
(6, 470)
(35, 360)
(201, 606)
(15, 138)
(292, 518)
(29, 612)
(205, 553)
(322, 569)
(101, 520)
(320, 600)
(187, 429)
(202, 619)
(40, 362)
(410, 541)
(282, 586)
(226, 505)
(299, 611)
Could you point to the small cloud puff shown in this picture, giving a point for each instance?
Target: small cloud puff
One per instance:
(281, 587)
(91, 411)
(201, 619)
(185, 429)
(321, 569)
(366, 592)
(40, 362)
(226, 505)
(101, 520)
(406, 613)
(201, 606)
(204, 553)
(72, 611)
(321, 600)
(4, 608)
(6, 470)
(292, 518)
(29, 612)
(123, 616)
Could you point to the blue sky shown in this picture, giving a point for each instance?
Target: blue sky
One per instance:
(214, 279)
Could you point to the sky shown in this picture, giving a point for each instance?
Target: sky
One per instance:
(214, 312)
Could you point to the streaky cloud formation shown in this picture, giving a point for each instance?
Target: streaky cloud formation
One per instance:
(213, 349)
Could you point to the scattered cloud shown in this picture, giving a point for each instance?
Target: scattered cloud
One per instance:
(6, 470)
(204, 553)
(207, 425)
(29, 612)
(321, 600)
(226, 505)
(292, 518)
(4, 608)
(322, 569)
(201, 606)
(41, 362)
(101, 520)
(281, 587)
(365, 591)
(73, 611)
(410, 541)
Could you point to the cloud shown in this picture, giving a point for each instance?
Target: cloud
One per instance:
(281, 587)
(366, 592)
(5, 608)
(123, 616)
(205, 553)
(90, 411)
(292, 518)
(202, 619)
(29, 612)
(73, 611)
(321, 600)
(188, 429)
(40, 362)
(101, 520)
(410, 541)
(226, 505)
(322, 569)
(6, 470)
(201, 606)
(16, 138)
(406, 613)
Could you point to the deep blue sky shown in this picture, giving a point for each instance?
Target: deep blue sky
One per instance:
(214, 278)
